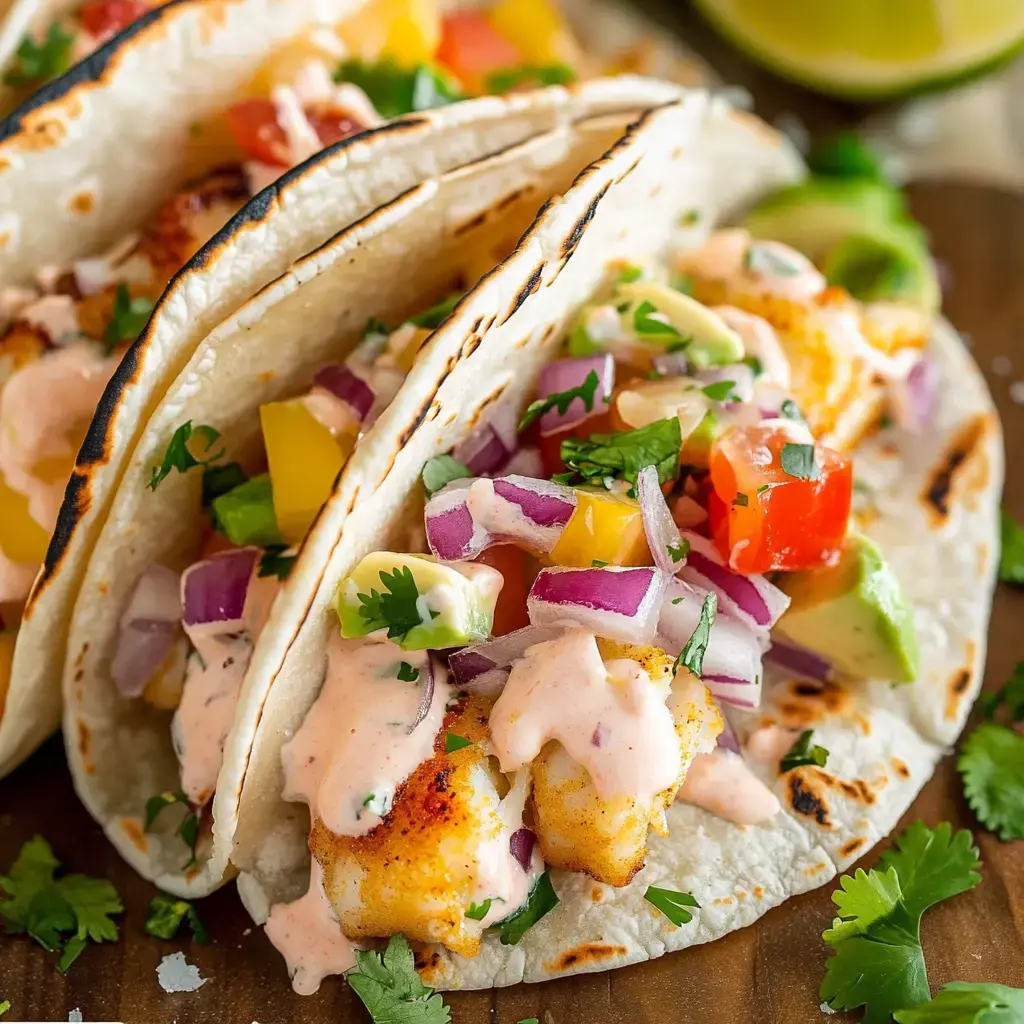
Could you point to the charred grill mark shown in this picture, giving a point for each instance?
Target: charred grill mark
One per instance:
(587, 953)
(572, 240)
(510, 197)
(628, 171)
(470, 345)
(900, 768)
(469, 225)
(485, 404)
(851, 846)
(72, 509)
(858, 789)
(526, 291)
(943, 478)
(805, 801)
(958, 685)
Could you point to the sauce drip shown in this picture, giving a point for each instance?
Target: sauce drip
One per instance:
(721, 783)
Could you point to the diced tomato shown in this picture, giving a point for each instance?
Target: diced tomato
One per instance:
(510, 611)
(472, 49)
(551, 446)
(254, 127)
(765, 519)
(105, 17)
(332, 126)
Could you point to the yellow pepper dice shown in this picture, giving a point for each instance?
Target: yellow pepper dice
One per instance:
(22, 539)
(304, 458)
(7, 640)
(537, 29)
(405, 31)
(604, 528)
(286, 63)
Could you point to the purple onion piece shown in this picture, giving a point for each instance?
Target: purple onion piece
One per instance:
(799, 660)
(344, 383)
(541, 502)
(727, 738)
(215, 590)
(660, 528)
(483, 452)
(521, 846)
(671, 364)
(500, 652)
(142, 648)
(601, 734)
(565, 374)
(426, 697)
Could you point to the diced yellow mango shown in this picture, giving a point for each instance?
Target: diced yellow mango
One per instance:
(406, 356)
(304, 458)
(7, 639)
(164, 689)
(537, 29)
(604, 528)
(22, 539)
(405, 31)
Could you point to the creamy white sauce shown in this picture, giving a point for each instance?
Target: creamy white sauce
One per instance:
(721, 783)
(307, 934)
(301, 136)
(348, 777)
(610, 718)
(768, 744)
(41, 404)
(331, 412)
(760, 340)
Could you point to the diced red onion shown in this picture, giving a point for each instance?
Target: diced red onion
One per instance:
(342, 382)
(564, 374)
(522, 510)
(741, 375)
(451, 532)
(526, 462)
(147, 630)
(601, 734)
(471, 662)
(426, 695)
(751, 599)
(615, 602)
(727, 738)
(799, 660)
(521, 845)
(914, 397)
(732, 661)
(662, 533)
(213, 591)
(483, 453)
(671, 364)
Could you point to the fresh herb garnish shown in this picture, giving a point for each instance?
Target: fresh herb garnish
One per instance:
(802, 753)
(38, 62)
(791, 411)
(61, 914)
(722, 391)
(755, 364)
(396, 608)
(845, 155)
(878, 961)
(760, 259)
(166, 914)
(1011, 556)
(682, 283)
(692, 655)
(532, 75)
(478, 911)
(187, 830)
(453, 742)
(561, 400)
(432, 318)
(741, 500)
(6, 1005)
(679, 551)
(220, 480)
(375, 327)
(798, 461)
(127, 318)
(629, 274)
(672, 903)
(689, 218)
(179, 456)
(542, 900)
(378, 803)
(529, 1020)
(441, 470)
(646, 322)
(991, 762)
(395, 91)
(406, 673)
(598, 563)
(623, 455)
(678, 600)
(966, 1002)
(276, 562)
(391, 990)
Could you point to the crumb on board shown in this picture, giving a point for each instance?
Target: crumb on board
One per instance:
(75, 1016)
(176, 975)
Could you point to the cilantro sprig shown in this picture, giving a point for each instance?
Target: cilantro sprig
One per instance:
(188, 827)
(692, 655)
(647, 322)
(541, 901)
(391, 990)
(561, 400)
(878, 962)
(5, 1005)
(39, 62)
(61, 914)
(395, 91)
(1011, 556)
(802, 753)
(453, 742)
(621, 456)
(179, 452)
(672, 903)
(969, 1003)
(167, 914)
(276, 561)
(127, 318)
(529, 75)
(396, 607)
(432, 318)
(440, 471)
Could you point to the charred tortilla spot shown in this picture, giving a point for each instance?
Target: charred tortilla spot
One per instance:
(469, 225)
(476, 325)
(596, 894)
(82, 203)
(435, 411)
(900, 768)
(352, 501)
(814, 869)
(587, 953)
(130, 827)
(809, 702)
(451, 419)
(805, 801)
(84, 739)
(470, 345)
(571, 240)
(426, 959)
(857, 789)
(73, 508)
(851, 846)
(758, 892)
(944, 476)
(958, 685)
(863, 723)
(723, 901)
(511, 197)
(486, 404)
(532, 284)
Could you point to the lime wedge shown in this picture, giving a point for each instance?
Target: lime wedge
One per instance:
(872, 49)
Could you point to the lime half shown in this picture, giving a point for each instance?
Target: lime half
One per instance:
(872, 49)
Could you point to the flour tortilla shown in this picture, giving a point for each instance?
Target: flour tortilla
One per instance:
(302, 210)
(393, 263)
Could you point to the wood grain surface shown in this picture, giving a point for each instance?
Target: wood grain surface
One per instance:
(769, 972)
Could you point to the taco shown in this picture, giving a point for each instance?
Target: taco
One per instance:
(571, 716)
(67, 319)
(190, 588)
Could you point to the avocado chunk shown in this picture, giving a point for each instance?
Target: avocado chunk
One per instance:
(245, 515)
(854, 613)
(417, 602)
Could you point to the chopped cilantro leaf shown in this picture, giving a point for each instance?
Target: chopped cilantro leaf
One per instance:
(396, 608)
(678, 600)
(798, 461)
(1011, 557)
(624, 454)
(692, 655)
(529, 1020)
(391, 990)
(1010, 693)
(452, 742)
(791, 411)
(432, 318)
(529, 75)
(672, 903)
(219, 480)
(689, 218)
(63, 914)
(375, 326)
(761, 259)
(598, 563)
(741, 500)
(166, 914)
(6, 1005)
(275, 561)
(187, 830)
(991, 764)
(878, 961)
(802, 753)
(406, 673)
(395, 91)
(963, 1002)
(722, 391)
(755, 364)
(541, 901)
(39, 62)
(378, 803)
(441, 470)
(679, 551)
(179, 455)
(629, 274)
(646, 322)
(478, 911)
(127, 319)
(561, 400)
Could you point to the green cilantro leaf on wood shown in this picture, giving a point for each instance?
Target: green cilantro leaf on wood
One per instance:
(968, 1003)
(392, 991)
